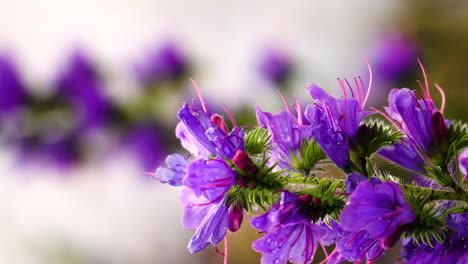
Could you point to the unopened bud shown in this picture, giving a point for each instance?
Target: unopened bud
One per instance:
(235, 216)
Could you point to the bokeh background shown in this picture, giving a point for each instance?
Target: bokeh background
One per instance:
(89, 93)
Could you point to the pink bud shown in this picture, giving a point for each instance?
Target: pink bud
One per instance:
(242, 160)
(235, 216)
(218, 121)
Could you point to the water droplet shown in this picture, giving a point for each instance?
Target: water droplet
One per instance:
(286, 137)
(276, 261)
(268, 241)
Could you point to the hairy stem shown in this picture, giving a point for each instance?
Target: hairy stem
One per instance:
(433, 195)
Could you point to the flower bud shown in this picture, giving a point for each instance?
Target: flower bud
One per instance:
(235, 216)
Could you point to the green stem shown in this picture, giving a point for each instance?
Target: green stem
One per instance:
(433, 195)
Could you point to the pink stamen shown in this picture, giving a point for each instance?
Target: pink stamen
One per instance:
(225, 249)
(415, 99)
(428, 92)
(358, 90)
(324, 250)
(350, 88)
(330, 116)
(152, 174)
(219, 252)
(233, 121)
(388, 118)
(329, 256)
(370, 82)
(422, 89)
(284, 101)
(442, 94)
(199, 95)
(420, 95)
(362, 89)
(343, 89)
(299, 111)
(345, 102)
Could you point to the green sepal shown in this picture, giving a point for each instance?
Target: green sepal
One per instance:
(257, 141)
(307, 157)
(430, 220)
(260, 188)
(329, 202)
(370, 137)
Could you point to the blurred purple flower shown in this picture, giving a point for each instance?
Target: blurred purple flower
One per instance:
(145, 142)
(290, 235)
(275, 65)
(11, 86)
(380, 210)
(394, 56)
(165, 63)
(80, 83)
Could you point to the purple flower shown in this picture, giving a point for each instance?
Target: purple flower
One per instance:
(203, 135)
(394, 56)
(453, 250)
(144, 141)
(423, 125)
(286, 135)
(358, 246)
(162, 64)
(11, 86)
(275, 65)
(355, 178)
(351, 246)
(206, 183)
(81, 85)
(378, 209)
(175, 171)
(290, 235)
(334, 122)
(463, 163)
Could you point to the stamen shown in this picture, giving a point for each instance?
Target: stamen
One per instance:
(233, 121)
(350, 88)
(299, 111)
(324, 250)
(428, 92)
(152, 174)
(362, 89)
(419, 94)
(330, 116)
(345, 103)
(199, 95)
(225, 249)
(358, 90)
(388, 118)
(422, 88)
(442, 94)
(415, 99)
(343, 89)
(284, 101)
(328, 257)
(370, 82)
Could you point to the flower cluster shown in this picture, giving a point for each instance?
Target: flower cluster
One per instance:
(289, 165)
